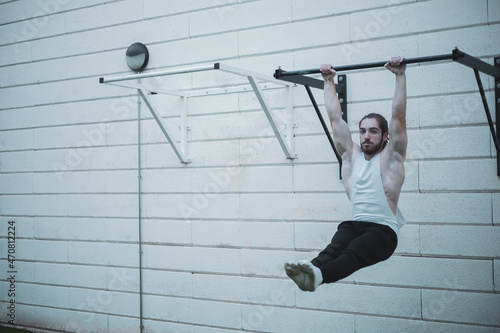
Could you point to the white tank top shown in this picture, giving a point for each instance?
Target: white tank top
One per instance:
(369, 203)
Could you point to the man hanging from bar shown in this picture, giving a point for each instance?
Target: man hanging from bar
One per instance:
(373, 174)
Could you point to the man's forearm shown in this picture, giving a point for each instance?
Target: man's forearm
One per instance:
(332, 103)
(399, 101)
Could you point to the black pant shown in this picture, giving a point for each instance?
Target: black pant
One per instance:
(355, 245)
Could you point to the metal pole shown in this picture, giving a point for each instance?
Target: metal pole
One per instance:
(139, 177)
(325, 128)
(159, 73)
(281, 73)
(486, 109)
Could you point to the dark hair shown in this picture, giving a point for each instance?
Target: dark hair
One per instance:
(382, 122)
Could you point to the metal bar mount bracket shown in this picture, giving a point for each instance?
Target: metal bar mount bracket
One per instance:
(497, 111)
(258, 82)
(299, 77)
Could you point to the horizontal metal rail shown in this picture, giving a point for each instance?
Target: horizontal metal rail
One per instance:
(158, 73)
(280, 73)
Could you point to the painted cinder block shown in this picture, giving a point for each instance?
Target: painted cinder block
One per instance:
(103, 205)
(314, 149)
(39, 8)
(103, 253)
(450, 110)
(228, 126)
(305, 34)
(452, 207)
(155, 8)
(308, 206)
(117, 14)
(495, 199)
(196, 205)
(465, 175)
(275, 292)
(41, 250)
(187, 311)
(159, 326)
(473, 40)
(438, 273)
(261, 318)
(496, 275)
(440, 143)
(321, 177)
(104, 301)
(120, 36)
(211, 104)
(265, 263)
(167, 283)
(121, 324)
(313, 236)
(29, 28)
(98, 111)
(18, 205)
(16, 183)
(166, 180)
(85, 228)
(23, 227)
(64, 274)
(461, 307)
(390, 21)
(17, 140)
(14, 53)
(192, 259)
(303, 10)
(166, 231)
(24, 272)
(62, 319)
(493, 12)
(155, 307)
(215, 48)
(408, 239)
(178, 28)
(239, 17)
(69, 182)
(214, 153)
(364, 299)
(395, 325)
(243, 234)
(256, 179)
(460, 241)
(437, 78)
(43, 295)
(264, 149)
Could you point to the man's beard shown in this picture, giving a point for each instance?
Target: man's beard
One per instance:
(371, 149)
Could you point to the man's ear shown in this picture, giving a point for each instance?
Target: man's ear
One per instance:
(386, 136)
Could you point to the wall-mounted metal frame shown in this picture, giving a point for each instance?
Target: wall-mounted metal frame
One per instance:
(299, 77)
(258, 83)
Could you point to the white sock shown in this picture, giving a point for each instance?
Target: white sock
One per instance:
(313, 276)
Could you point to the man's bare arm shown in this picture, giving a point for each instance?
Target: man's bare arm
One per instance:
(341, 133)
(397, 124)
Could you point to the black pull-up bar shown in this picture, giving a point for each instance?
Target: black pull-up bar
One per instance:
(456, 55)
(366, 65)
(299, 77)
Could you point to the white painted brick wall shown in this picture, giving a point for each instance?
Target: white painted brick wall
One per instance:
(216, 231)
